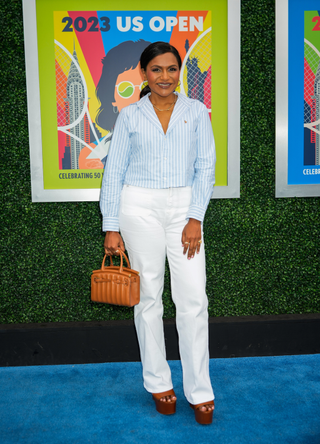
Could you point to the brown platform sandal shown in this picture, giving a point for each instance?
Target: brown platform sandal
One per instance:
(203, 417)
(164, 407)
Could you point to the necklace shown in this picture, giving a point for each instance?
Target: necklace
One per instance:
(167, 108)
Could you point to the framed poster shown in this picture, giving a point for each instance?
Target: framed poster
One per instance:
(297, 98)
(82, 63)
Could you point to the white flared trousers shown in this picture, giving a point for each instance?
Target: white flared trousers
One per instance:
(151, 224)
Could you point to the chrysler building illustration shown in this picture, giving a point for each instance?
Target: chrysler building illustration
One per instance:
(74, 103)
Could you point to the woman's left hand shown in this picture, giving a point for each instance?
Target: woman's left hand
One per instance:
(191, 236)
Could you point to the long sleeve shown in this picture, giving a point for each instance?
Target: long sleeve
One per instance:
(142, 155)
(204, 168)
(114, 173)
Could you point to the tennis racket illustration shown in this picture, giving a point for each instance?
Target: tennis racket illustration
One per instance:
(311, 74)
(72, 107)
(195, 74)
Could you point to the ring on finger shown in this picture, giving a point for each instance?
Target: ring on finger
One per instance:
(200, 241)
(187, 243)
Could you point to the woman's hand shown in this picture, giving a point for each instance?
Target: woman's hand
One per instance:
(113, 242)
(191, 236)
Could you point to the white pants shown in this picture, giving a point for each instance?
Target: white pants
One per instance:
(151, 223)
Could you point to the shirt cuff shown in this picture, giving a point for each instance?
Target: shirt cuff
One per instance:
(110, 224)
(196, 212)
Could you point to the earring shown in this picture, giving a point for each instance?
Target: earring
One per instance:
(115, 109)
(144, 84)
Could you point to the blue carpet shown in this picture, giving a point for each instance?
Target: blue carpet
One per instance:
(258, 400)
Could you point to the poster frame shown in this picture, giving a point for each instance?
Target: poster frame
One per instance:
(282, 188)
(39, 194)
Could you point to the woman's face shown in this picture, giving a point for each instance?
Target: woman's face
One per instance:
(162, 74)
(127, 88)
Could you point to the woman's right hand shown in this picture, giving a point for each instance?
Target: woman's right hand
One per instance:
(113, 242)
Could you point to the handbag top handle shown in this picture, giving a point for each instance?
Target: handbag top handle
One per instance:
(122, 255)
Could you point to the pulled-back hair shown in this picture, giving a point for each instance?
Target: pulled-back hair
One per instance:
(152, 51)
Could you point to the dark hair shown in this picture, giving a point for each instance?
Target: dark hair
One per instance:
(152, 51)
(119, 59)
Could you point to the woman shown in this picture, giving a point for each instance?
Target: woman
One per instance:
(156, 187)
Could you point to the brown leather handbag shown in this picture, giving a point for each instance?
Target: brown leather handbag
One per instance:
(116, 285)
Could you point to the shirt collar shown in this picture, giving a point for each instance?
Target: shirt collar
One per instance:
(182, 105)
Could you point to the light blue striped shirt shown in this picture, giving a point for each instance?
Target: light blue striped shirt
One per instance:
(141, 154)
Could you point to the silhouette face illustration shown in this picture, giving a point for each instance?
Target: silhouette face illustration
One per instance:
(127, 89)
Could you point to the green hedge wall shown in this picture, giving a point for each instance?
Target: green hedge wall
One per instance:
(262, 252)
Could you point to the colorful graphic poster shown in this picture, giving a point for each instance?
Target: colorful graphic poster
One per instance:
(304, 93)
(97, 73)
(312, 90)
(82, 65)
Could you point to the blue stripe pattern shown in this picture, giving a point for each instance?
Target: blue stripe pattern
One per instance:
(141, 154)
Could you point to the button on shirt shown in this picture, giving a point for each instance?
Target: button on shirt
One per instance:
(141, 154)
